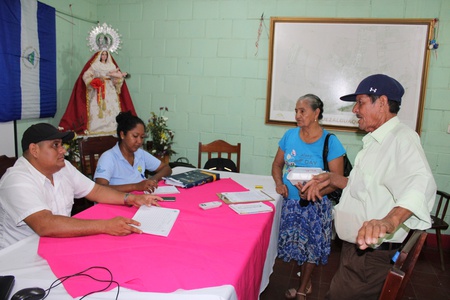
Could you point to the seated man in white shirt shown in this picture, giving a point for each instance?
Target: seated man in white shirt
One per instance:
(37, 193)
(389, 192)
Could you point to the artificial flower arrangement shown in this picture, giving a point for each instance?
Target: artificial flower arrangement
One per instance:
(161, 135)
(72, 147)
(73, 152)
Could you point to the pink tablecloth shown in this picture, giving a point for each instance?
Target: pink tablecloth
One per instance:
(205, 248)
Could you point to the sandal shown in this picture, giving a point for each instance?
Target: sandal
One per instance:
(309, 289)
(290, 294)
(300, 294)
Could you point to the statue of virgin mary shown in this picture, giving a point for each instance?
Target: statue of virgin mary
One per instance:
(100, 92)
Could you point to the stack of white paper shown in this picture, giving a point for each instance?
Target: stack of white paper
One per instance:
(247, 196)
(166, 189)
(251, 208)
(156, 220)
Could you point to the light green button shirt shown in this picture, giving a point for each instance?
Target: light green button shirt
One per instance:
(391, 170)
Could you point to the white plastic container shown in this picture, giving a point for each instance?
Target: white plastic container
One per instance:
(302, 175)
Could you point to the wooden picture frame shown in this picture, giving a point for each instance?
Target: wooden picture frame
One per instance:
(329, 58)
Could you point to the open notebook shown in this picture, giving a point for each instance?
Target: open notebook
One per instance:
(156, 220)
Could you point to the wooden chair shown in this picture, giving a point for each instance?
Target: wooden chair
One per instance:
(90, 150)
(219, 147)
(438, 222)
(5, 163)
(399, 275)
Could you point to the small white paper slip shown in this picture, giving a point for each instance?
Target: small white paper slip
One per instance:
(156, 220)
(166, 189)
(251, 208)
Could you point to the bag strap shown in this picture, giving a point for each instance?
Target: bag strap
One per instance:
(325, 152)
(182, 160)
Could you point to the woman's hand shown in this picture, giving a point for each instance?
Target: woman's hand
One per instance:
(148, 185)
(282, 190)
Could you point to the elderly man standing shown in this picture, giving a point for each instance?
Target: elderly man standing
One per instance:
(389, 192)
(36, 194)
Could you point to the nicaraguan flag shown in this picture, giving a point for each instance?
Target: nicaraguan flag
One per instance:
(27, 60)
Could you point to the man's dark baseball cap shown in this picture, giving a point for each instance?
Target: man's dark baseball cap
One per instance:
(43, 132)
(378, 84)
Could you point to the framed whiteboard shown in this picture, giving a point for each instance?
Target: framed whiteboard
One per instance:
(330, 57)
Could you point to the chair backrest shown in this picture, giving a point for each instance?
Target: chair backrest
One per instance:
(5, 163)
(438, 222)
(90, 150)
(441, 209)
(220, 148)
(399, 274)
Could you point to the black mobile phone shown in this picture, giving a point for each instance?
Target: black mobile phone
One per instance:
(168, 198)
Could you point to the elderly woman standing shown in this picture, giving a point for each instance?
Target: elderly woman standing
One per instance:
(305, 228)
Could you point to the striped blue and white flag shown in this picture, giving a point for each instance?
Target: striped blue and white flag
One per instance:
(27, 60)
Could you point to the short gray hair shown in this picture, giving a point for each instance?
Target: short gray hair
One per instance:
(314, 103)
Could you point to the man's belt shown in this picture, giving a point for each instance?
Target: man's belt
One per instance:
(388, 246)
(383, 246)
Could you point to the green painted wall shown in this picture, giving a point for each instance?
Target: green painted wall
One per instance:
(197, 57)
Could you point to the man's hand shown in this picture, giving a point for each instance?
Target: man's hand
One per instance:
(312, 188)
(148, 200)
(310, 192)
(372, 230)
(44, 223)
(121, 226)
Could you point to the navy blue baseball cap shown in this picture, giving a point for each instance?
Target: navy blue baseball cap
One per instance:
(378, 84)
(43, 132)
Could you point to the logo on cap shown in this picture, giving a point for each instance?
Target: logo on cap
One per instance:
(372, 90)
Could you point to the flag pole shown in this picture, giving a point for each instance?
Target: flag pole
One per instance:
(15, 139)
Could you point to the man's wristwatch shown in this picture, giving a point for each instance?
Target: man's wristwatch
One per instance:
(125, 199)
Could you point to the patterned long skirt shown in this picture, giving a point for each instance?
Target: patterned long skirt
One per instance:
(305, 232)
